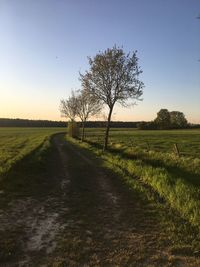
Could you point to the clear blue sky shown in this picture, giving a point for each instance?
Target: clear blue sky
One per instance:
(45, 43)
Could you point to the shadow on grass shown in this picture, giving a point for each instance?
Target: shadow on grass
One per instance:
(28, 177)
(180, 231)
(175, 171)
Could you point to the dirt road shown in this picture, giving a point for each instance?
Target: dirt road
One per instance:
(85, 217)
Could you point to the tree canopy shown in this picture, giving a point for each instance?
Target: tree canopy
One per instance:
(177, 119)
(68, 107)
(87, 106)
(82, 105)
(113, 77)
(166, 120)
(163, 119)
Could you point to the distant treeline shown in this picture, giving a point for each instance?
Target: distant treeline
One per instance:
(47, 123)
(143, 125)
(151, 125)
(113, 124)
(30, 123)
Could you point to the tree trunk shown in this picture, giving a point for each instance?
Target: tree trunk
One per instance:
(83, 131)
(107, 130)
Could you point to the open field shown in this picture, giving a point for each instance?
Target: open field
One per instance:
(15, 143)
(162, 141)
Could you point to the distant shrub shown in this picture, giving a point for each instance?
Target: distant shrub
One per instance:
(149, 125)
(73, 129)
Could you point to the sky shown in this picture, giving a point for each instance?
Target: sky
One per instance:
(44, 44)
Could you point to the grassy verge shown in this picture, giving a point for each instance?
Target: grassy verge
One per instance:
(175, 179)
(160, 177)
(160, 141)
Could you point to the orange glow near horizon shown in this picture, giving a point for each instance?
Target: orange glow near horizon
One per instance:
(35, 112)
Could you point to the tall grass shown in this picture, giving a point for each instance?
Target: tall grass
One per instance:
(170, 181)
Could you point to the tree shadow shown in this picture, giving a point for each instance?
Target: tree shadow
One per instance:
(31, 176)
(173, 170)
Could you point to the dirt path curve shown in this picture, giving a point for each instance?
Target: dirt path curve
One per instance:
(88, 218)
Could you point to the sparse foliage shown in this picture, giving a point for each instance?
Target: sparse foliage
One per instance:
(68, 107)
(113, 77)
(81, 104)
(87, 106)
(73, 129)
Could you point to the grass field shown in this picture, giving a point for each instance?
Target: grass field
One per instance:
(188, 141)
(15, 143)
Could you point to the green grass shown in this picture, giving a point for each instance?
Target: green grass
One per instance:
(160, 141)
(177, 180)
(16, 143)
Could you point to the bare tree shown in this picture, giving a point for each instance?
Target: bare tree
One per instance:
(68, 107)
(87, 105)
(113, 77)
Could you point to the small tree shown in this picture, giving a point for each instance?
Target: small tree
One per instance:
(112, 78)
(87, 105)
(177, 119)
(163, 119)
(68, 109)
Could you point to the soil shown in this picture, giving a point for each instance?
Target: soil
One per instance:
(86, 217)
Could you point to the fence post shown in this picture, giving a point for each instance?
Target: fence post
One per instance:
(176, 150)
(148, 146)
